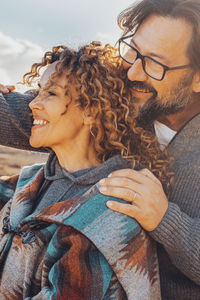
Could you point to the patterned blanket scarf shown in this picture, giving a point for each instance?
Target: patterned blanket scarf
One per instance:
(74, 249)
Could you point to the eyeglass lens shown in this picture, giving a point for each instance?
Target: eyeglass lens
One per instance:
(152, 68)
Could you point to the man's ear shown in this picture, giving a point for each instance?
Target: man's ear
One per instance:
(196, 83)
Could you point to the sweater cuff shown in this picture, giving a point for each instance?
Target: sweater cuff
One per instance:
(168, 227)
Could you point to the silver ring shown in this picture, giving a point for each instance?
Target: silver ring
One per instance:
(135, 194)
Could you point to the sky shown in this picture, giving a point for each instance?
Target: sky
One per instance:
(28, 28)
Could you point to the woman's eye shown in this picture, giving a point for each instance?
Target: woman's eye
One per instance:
(51, 93)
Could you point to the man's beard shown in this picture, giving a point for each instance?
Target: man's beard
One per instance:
(173, 102)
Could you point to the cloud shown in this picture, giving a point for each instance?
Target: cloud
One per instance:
(16, 58)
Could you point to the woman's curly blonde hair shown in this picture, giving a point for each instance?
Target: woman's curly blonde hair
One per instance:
(98, 77)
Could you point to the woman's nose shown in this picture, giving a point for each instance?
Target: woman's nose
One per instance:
(36, 103)
(136, 72)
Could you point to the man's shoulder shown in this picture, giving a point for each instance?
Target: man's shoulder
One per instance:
(187, 140)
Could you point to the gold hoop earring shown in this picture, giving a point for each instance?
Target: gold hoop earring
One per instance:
(85, 114)
(92, 133)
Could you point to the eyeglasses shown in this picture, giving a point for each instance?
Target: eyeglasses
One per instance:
(151, 67)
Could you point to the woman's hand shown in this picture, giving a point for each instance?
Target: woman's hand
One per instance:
(148, 202)
(5, 89)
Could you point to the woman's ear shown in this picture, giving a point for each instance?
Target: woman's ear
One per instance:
(196, 83)
(89, 116)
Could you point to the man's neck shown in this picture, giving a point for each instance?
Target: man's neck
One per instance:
(177, 121)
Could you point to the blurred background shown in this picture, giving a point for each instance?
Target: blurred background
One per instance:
(28, 28)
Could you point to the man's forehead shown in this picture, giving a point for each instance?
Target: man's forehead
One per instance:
(155, 55)
(164, 36)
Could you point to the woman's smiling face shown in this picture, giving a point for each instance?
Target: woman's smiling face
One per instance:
(57, 117)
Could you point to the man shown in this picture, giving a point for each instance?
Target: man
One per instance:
(163, 67)
(162, 59)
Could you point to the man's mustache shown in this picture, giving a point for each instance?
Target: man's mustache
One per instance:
(140, 85)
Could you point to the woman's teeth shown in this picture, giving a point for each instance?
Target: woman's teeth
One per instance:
(39, 122)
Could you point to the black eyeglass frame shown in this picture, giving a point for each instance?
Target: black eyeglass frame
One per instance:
(142, 57)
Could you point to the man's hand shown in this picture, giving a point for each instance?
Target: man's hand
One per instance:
(148, 202)
(5, 89)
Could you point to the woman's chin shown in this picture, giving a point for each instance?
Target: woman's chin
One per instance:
(34, 143)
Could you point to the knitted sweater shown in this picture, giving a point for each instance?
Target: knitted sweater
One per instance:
(178, 234)
(67, 244)
(16, 121)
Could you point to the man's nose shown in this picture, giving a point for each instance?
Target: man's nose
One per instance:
(36, 103)
(136, 72)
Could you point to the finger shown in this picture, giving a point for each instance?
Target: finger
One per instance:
(150, 175)
(2, 87)
(127, 209)
(4, 90)
(10, 87)
(122, 182)
(122, 193)
(134, 175)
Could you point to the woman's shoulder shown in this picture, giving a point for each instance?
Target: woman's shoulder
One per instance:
(27, 173)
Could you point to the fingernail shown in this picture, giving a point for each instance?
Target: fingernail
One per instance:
(110, 175)
(102, 181)
(109, 204)
(103, 189)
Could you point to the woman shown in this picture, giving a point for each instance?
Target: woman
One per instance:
(58, 239)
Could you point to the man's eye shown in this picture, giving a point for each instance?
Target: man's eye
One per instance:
(51, 93)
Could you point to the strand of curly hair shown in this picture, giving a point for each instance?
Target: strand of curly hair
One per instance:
(99, 79)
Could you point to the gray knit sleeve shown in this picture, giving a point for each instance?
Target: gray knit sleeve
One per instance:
(179, 231)
(15, 120)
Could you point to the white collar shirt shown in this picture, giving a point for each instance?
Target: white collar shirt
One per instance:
(164, 134)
